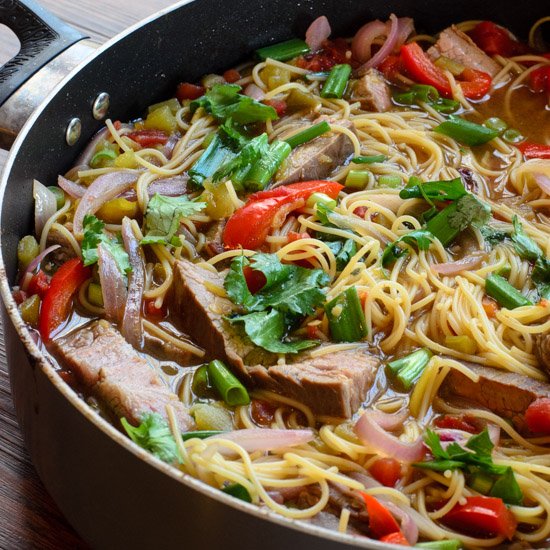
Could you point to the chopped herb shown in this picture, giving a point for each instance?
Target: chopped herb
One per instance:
(93, 236)
(154, 435)
(343, 252)
(224, 101)
(215, 155)
(421, 93)
(493, 236)
(163, 218)
(369, 159)
(526, 247)
(419, 237)
(238, 491)
(474, 459)
(435, 190)
(465, 131)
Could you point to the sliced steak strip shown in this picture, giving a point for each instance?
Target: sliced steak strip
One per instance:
(504, 393)
(111, 369)
(334, 384)
(318, 158)
(373, 92)
(459, 47)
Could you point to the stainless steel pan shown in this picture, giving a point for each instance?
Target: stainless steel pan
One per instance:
(115, 495)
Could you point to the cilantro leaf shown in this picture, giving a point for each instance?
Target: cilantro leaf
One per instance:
(434, 190)
(154, 435)
(469, 211)
(481, 444)
(163, 218)
(93, 236)
(419, 237)
(493, 236)
(267, 329)
(507, 488)
(343, 252)
(224, 101)
(526, 247)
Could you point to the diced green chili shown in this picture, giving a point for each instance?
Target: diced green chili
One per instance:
(101, 156)
(346, 317)
(369, 159)
(465, 131)
(227, 385)
(388, 180)
(59, 195)
(307, 135)
(408, 369)
(504, 293)
(27, 250)
(30, 310)
(200, 385)
(95, 294)
(316, 198)
(336, 83)
(358, 179)
(284, 50)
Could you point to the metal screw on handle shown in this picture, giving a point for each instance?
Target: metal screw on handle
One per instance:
(74, 129)
(101, 105)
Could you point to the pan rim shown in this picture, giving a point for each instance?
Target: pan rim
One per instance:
(71, 396)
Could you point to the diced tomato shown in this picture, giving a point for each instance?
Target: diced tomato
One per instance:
(360, 211)
(57, 301)
(186, 90)
(539, 80)
(534, 150)
(249, 226)
(19, 296)
(255, 280)
(147, 138)
(386, 470)
(332, 53)
(293, 236)
(395, 538)
(151, 310)
(312, 332)
(278, 104)
(537, 416)
(495, 40)
(450, 422)
(490, 307)
(482, 516)
(262, 412)
(390, 66)
(231, 75)
(39, 284)
(475, 84)
(381, 522)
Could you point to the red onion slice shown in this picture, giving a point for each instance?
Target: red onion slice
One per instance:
(168, 148)
(36, 262)
(113, 286)
(543, 181)
(464, 264)
(132, 328)
(74, 190)
(408, 526)
(317, 33)
(372, 435)
(389, 421)
(45, 205)
(86, 155)
(260, 439)
(103, 189)
(255, 92)
(406, 28)
(388, 47)
(362, 41)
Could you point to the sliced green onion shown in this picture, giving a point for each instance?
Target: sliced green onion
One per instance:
(495, 123)
(262, 171)
(95, 294)
(100, 156)
(346, 317)
(227, 385)
(450, 544)
(504, 270)
(284, 50)
(336, 83)
(481, 482)
(369, 159)
(405, 98)
(466, 132)
(307, 135)
(439, 226)
(358, 179)
(427, 94)
(214, 156)
(200, 434)
(59, 195)
(443, 105)
(504, 293)
(387, 180)
(200, 384)
(513, 136)
(408, 369)
(238, 491)
(320, 198)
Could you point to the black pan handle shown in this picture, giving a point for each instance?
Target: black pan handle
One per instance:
(42, 35)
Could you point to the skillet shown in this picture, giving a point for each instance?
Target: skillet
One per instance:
(116, 495)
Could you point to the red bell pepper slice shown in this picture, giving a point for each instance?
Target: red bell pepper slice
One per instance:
(534, 150)
(461, 422)
(332, 53)
(147, 138)
(475, 84)
(57, 301)
(495, 40)
(395, 538)
(39, 284)
(231, 75)
(381, 522)
(537, 416)
(186, 90)
(482, 517)
(249, 226)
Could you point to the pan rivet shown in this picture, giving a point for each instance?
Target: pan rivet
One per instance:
(100, 106)
(73, 131)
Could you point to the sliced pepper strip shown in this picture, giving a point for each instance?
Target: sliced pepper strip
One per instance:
(381, 521)
(534, 150)
(146, 138)
(57, 300)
